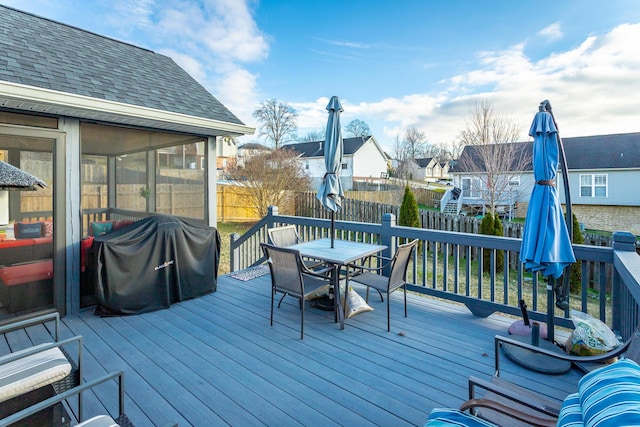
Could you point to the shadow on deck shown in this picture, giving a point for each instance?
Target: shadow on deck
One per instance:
(216, 361)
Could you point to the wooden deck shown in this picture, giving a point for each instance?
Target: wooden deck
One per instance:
(216, 361)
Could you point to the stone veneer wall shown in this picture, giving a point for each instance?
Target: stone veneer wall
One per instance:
(604, 218)
(609, 218)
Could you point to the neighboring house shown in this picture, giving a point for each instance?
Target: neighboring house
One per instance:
(81, 104)
(604, 180)
(226, 152)
(248, 150)
(429, 169)
(363, 160)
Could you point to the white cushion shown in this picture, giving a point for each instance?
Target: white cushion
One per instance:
(32, 372)
(99, 421)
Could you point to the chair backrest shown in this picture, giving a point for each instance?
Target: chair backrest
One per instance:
(284, 236)
(286, 269)
(400, 263)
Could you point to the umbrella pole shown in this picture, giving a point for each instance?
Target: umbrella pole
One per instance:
(551, 283)
(333, 227)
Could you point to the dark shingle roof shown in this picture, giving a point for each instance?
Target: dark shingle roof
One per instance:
(316, 148)
(47, 54)
(424, 162)
(618, 151)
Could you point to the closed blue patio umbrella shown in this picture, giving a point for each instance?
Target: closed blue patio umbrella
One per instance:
(330, 192)
(546, 242)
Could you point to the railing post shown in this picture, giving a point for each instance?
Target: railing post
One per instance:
(272, 211)
(234, 255)
(386, 238)
(622, 241)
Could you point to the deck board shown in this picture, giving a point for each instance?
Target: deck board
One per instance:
(216, 360)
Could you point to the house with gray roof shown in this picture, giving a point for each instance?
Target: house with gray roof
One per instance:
(604, 180)
(363, 160)
(95, 118)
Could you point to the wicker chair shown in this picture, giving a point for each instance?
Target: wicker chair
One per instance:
(121, 420)
(290, 276)
(395, 280)
(40, 371)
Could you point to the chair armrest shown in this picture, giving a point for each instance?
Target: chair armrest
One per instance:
(362, 267)
(471, 404)
(499, 340)
(23, 323)
(323, 273)
(67, 394)
(513, 393)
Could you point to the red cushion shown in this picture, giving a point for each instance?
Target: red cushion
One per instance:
(25, 273)
(85, 244)
(16, 243)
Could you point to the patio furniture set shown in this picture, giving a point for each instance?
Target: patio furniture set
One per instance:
(301, 268)
(37, 382)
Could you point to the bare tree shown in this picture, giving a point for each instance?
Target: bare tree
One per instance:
(313, 136)
(491, 153)
(271, 178)
(357, 128)
(414, 143)
(278, 121)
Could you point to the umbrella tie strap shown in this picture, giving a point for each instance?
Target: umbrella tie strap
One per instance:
(324, 178)
(546, 182)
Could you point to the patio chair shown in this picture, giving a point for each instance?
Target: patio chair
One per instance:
(37, 372)
(501, 394)
(98, 421)
(395, 280)
(287, 235)
(290, 276)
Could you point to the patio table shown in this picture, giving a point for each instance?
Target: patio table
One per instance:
(341, 255)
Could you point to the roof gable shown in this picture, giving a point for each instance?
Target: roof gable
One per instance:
(42, 53)
(316, 148)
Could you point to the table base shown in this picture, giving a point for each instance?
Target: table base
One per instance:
(536, 361)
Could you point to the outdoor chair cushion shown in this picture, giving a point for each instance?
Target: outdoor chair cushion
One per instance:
(31, 372)
(99, 421)
(454, 417)
(607, 397)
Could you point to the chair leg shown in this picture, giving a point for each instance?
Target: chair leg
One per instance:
(404, 288)
(379, 293)
(273, 296)
(283, 295)
(388, 313)
(302, 318)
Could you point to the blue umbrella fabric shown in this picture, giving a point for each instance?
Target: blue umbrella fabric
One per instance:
(330, 192)
(546, 246)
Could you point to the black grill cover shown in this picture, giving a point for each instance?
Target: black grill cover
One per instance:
(153, 263)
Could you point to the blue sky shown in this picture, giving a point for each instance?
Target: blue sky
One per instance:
(394, 64)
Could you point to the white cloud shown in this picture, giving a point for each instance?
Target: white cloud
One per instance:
(591, 88)
(552, 32)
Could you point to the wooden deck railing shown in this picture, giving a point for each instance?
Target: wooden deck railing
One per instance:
(450, 265)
